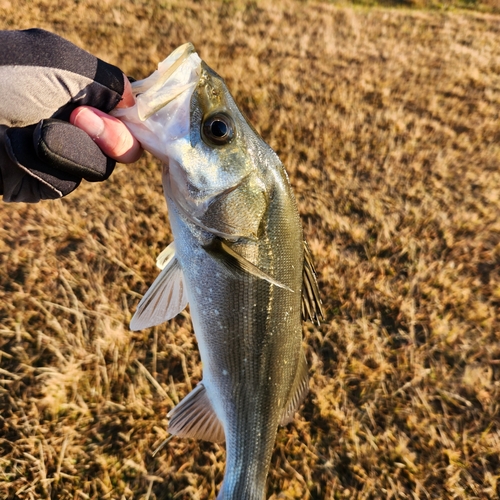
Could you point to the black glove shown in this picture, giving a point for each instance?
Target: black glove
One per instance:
(43, 78)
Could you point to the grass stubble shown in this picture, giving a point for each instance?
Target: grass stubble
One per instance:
(388, 124)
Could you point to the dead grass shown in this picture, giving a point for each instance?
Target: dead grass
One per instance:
(491, 6)
(388, 123)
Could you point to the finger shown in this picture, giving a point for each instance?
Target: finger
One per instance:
(128, 98)
(109, 133)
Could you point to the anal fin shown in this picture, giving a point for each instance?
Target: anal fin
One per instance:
(298, 391)
(194, 417)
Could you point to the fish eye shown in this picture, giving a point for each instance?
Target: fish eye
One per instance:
(218, 129)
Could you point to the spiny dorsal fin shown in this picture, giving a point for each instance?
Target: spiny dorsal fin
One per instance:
(166, 297)
(194, 417)
(311, 302)
(235, 263)
(297, 392)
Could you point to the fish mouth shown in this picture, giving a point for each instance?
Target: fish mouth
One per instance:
(174, 77)
(161, 113)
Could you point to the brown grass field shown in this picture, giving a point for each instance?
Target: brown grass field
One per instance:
(388, 122)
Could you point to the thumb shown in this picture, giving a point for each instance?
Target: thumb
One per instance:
(109, 133)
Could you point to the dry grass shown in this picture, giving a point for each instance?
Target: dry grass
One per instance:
(478, 5)
(388, 123)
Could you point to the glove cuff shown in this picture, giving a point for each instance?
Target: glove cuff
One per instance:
(20, 148)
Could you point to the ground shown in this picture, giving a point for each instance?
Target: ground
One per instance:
(388, 122)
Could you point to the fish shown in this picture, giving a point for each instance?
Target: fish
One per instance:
(238, 259)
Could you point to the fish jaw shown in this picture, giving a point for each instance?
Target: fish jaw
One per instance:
(161, 113)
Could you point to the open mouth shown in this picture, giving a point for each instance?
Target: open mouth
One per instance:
(175, 75)
(161, 113)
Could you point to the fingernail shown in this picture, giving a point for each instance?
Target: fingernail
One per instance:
(89, 122)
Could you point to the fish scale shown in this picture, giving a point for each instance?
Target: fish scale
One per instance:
(242, 352)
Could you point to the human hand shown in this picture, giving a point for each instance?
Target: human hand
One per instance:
(43, 78)
(109, 133)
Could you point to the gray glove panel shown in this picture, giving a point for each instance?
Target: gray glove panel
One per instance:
(42, 77)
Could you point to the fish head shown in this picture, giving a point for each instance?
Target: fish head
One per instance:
(215, 175)
(213, 158)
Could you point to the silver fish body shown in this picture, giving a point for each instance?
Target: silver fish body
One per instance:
(249, 337)
(239, 262)
(248, 330)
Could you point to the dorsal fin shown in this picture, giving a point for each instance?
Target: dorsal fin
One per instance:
(194, 417)
(312, 308)
(166, 297)
(298, 391)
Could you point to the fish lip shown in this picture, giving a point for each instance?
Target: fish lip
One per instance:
(206, 68)
(154, 105)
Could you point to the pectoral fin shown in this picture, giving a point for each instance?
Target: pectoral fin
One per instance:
(194, 417)
(165, 256)
(297, 392)
(311, 302)
(166, 297)
(236, 264)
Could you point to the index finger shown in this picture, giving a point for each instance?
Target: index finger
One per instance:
(128, 98)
